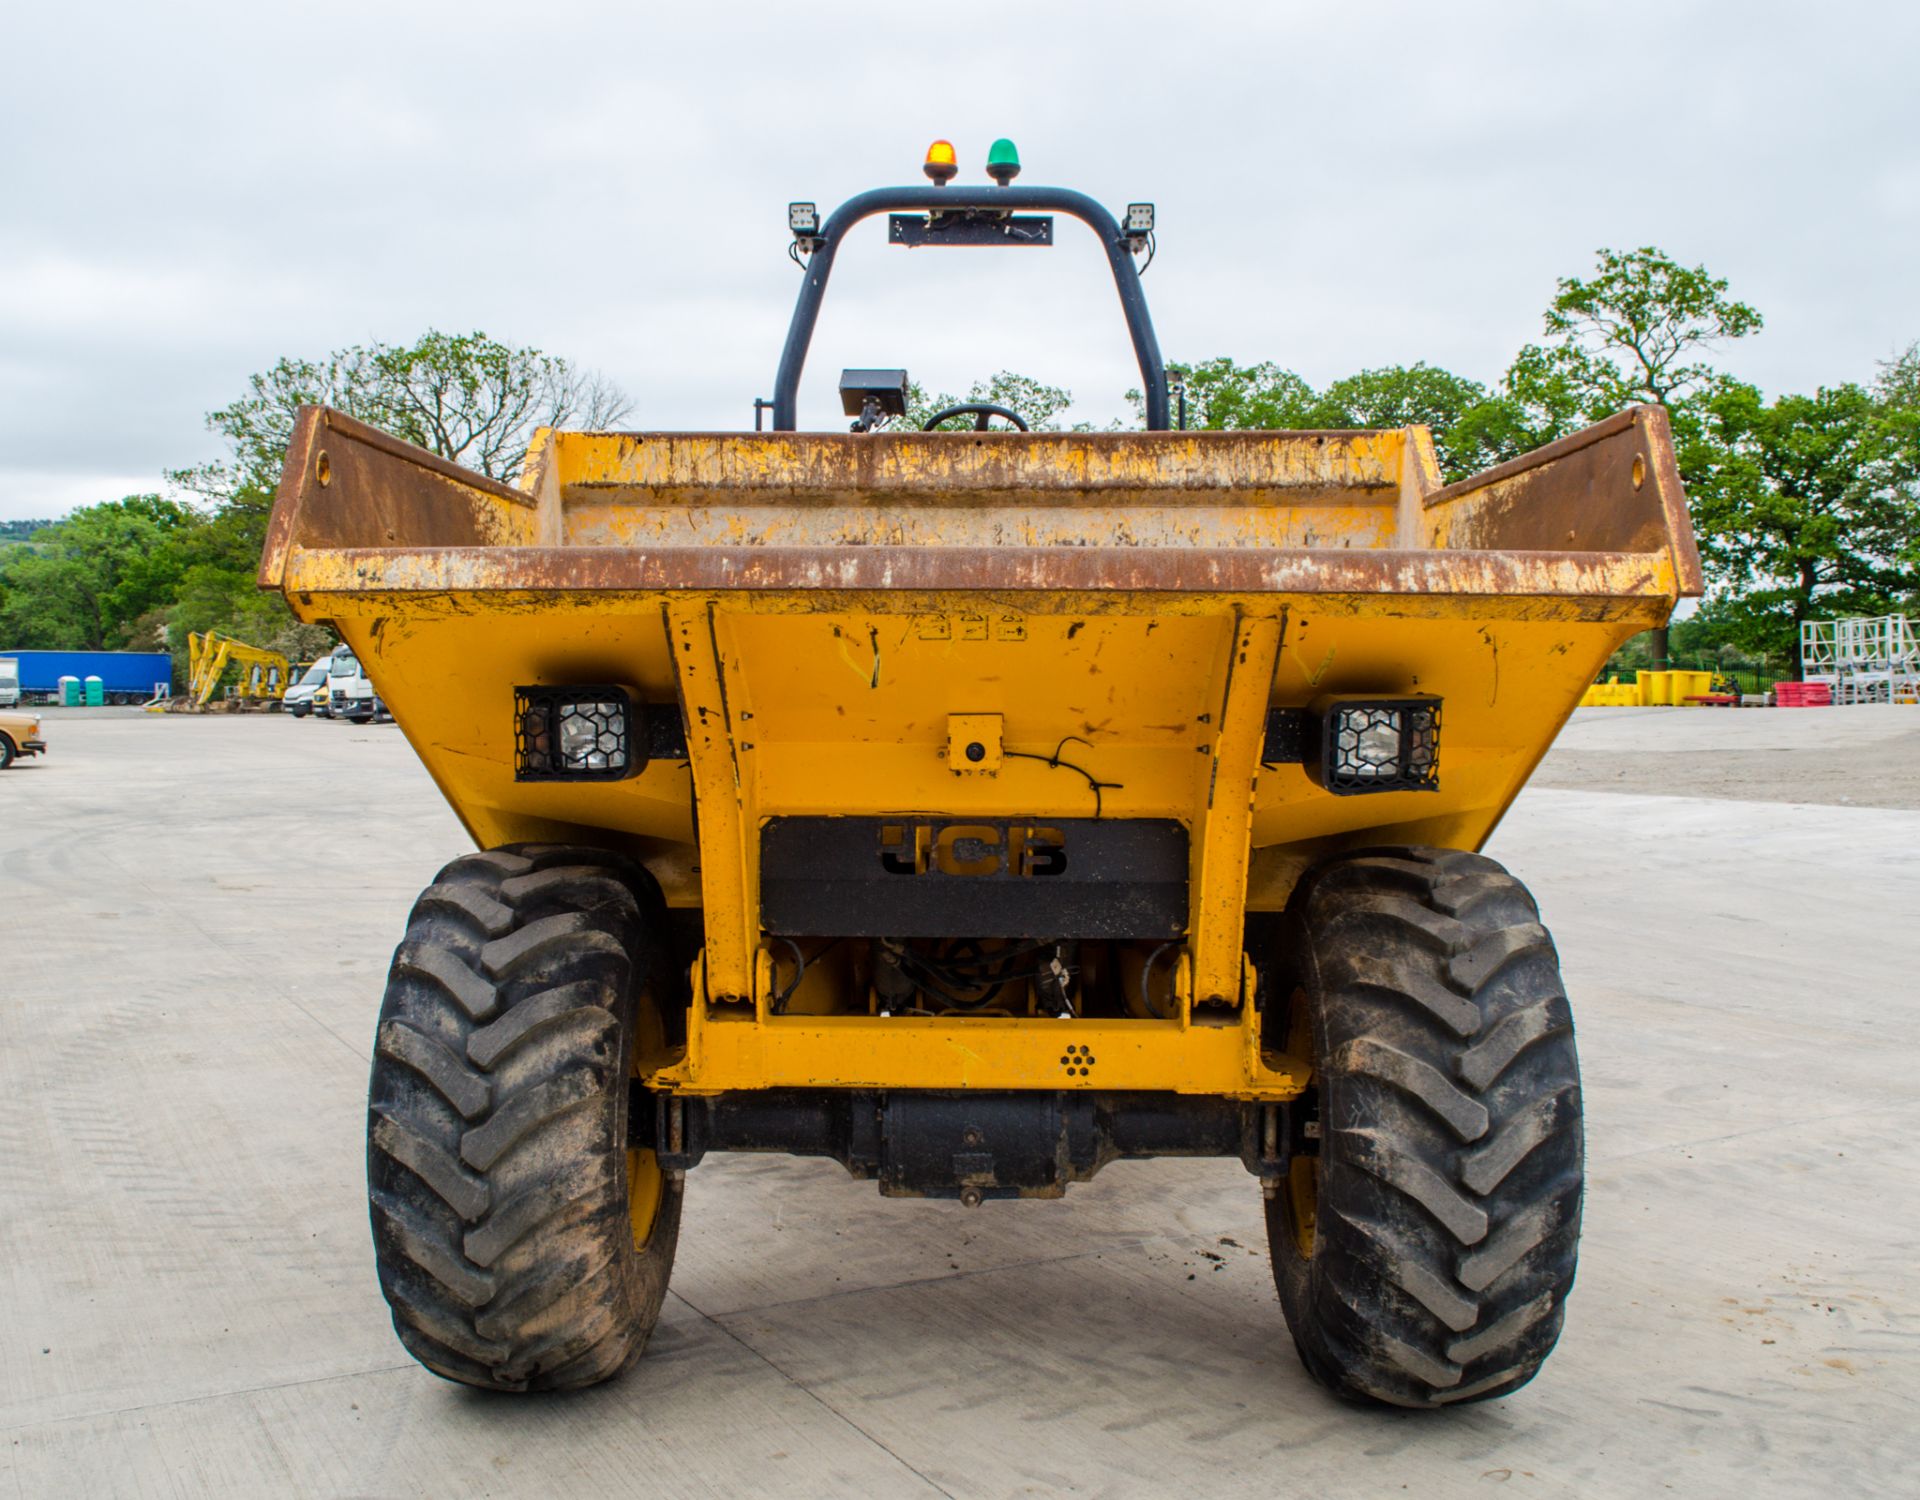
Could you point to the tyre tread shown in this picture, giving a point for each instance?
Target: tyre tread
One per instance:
(496, 1119)
(1452, 1146)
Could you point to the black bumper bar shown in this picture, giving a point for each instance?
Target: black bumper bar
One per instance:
(972, 1145)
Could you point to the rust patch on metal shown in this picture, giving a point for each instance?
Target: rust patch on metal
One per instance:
(1253, 513)
(1089, 569)
(348, 484)
(1579, 492)
(802, 464)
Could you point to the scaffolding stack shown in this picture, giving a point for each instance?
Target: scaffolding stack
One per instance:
(1863, 660)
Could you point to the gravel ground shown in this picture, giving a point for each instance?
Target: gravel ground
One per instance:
(1835, 757)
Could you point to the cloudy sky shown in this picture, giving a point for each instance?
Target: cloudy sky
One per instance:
(193, 190)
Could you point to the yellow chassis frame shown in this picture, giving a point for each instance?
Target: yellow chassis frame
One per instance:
(824, 610)
(735, 1041)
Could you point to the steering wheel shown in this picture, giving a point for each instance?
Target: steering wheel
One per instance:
(980, 411)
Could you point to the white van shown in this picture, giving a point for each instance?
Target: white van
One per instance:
(299, 698)
(9, 681)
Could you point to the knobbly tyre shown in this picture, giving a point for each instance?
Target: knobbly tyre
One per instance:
(977, 808)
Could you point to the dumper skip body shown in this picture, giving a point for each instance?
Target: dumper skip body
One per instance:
(978, 807)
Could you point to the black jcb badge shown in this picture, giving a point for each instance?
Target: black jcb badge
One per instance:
(947, 875)
(972, 849)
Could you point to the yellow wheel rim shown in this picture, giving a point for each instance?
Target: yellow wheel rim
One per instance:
(1303, 1173)
(644, 1182)
(1303, 1202)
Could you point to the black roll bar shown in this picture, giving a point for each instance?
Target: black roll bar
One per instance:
(819, 266)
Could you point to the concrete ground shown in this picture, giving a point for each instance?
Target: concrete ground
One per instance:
(198, 914)
(1854, 757)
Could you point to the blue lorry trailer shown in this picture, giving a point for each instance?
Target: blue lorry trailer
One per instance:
(125, 676)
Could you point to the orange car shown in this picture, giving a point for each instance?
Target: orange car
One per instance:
(19, 735)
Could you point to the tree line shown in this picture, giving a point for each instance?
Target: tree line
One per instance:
(1806, 505)
(141, 573)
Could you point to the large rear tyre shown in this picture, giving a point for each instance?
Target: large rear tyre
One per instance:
(521, 1244)
(1424, 1255)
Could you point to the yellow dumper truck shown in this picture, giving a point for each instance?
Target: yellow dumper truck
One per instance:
(978, 807)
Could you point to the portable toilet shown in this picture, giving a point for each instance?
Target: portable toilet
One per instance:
(95, 692)
(69, 694)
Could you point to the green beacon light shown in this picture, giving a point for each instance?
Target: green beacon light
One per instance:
(1003, 162)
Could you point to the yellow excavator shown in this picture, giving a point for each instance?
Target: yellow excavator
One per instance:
(262, 682)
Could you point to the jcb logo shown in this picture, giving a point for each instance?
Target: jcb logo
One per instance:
(980, 849)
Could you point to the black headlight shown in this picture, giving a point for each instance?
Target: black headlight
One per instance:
(1351, 743)
(582, 733)
(1377, 745)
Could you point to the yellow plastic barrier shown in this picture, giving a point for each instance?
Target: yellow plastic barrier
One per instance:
(1610, 695)
(1683, 684)
(1652, 690)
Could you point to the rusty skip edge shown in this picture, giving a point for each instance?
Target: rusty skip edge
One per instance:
(360, 452)
(1525, 498)
(537, 570)
(375, 486)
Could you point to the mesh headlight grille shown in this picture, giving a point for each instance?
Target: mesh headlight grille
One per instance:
(1379, 745)
(580, 733)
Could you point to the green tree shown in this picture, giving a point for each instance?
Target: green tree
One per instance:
(1039, 403)
(1556, 389)
(1638, 329)
(1223, 396)
(84, 581)
(1720, 634)
(1899, 382)
(1473, 428)
(43, 602)
(465, 396)
(1898, 390)
(1811, 507)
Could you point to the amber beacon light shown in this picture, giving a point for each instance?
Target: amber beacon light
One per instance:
(941, 164)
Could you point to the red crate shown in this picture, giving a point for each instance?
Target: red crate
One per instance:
(1802, 695)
